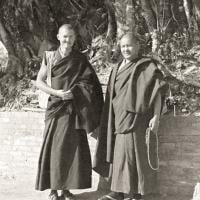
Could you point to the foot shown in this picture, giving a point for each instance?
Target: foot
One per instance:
(113, 196)
(53, 195)
(67, 195)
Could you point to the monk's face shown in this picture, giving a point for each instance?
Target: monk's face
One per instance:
(66, 37)
(129, 48)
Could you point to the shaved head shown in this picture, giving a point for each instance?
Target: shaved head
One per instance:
(131, 37)
(66, 36)
(65, 27)
(129, 45)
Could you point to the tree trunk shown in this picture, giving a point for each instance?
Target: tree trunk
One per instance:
(130, 16)
(189, 6)
(149, 15)
(125, 15)
(14, 64)
(112, 23)
(6, 40)
(177, 16)
(120, 9)
(197, 11)
(168, 18)
(188, 11)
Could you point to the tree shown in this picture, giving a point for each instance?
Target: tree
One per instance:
(28, 27)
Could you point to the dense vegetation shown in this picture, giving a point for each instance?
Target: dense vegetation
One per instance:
(168, 29)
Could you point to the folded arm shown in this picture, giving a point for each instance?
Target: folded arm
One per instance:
(42, 85)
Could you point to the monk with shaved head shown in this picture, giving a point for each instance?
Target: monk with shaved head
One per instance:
(73, 109)
(132, 110)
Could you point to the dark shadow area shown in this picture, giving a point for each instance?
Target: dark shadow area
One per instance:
(91, 195)
(96, 194)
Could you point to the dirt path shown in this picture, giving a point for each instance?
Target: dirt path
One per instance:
(11, 189)
(23, 190)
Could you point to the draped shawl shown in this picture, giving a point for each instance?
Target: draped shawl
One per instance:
(75, 73)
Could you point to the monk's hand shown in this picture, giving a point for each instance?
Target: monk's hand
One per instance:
(154, 124)
(65, 95)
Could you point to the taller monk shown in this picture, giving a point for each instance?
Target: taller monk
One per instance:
(132, 108)
(74, 109)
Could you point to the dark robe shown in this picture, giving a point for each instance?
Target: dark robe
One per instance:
(121, 152)
(65, 161)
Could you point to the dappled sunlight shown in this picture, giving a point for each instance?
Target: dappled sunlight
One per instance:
(3, 57)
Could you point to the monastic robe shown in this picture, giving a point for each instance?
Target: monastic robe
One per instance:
(65, 161)
(121, 152)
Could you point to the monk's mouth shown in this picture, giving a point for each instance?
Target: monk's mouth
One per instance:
(127, 54)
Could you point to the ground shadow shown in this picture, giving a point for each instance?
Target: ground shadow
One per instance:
(90, 195)
(96, 194)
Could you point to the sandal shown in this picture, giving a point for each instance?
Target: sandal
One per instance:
(112, 196)
(53, 195)
(67, 195)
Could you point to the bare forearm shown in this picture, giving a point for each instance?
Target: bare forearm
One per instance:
(64, 95)
(157, 106)
(154, 122)
(46, 88)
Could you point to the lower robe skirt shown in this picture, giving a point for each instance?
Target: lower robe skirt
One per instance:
(131, 171)
(64, 161)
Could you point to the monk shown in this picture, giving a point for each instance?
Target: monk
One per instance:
(74, 108)
(133, 104)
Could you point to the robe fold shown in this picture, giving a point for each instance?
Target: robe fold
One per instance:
(65, 161)
(121, 152)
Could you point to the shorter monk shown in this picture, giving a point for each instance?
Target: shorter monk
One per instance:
(133, 104)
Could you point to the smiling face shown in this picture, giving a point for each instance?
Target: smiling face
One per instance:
(66, 36)
(129, 47)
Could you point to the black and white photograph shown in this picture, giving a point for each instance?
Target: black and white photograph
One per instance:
(100, 100)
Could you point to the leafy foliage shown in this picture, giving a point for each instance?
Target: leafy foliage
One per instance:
(183, 62)
(32, 27)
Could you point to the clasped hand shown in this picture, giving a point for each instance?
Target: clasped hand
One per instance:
(64, 95)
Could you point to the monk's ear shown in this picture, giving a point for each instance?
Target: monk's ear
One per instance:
(58, 36)
(138, 46)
